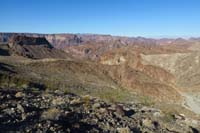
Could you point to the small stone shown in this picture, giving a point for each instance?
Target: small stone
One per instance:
(157, 114)
(52, 128)
(19, 95)
(179, 116)
(23, 116)
(123, 130)
(58, 92)
(9, 111)
(8, 96)
(195, 122)
(28, 130)
(147, 123)
(119, 110)
(19, 107)
(129, 112)
(96, 105)
(103, 110)
(39, 125)
(68, 130)
(76, 125)
(75, 101)
(58, 101)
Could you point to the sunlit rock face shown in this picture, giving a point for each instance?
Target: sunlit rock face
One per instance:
(33, 47)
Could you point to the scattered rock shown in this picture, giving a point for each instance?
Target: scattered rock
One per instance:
(30, 111)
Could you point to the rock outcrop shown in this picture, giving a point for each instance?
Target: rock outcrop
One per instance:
(34, 47)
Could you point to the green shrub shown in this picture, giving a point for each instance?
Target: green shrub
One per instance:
(147, 101)
(168, 117)
(86, 100)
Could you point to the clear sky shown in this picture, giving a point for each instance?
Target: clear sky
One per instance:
(149, 18)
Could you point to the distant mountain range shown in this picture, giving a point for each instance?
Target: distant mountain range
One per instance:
(92, 45)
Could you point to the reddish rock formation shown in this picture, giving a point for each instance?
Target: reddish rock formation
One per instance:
(35, 48)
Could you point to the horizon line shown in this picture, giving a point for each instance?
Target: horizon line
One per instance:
(114, 35)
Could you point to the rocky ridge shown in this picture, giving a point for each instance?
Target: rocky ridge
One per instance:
(33, 47)
(36, 111)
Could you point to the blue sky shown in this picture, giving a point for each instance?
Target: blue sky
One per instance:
(149, 18)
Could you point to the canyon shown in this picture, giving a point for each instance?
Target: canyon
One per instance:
(160, 73)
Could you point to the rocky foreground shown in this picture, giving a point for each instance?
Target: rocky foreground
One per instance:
(36, 111)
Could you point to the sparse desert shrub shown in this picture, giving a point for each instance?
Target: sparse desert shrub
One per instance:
(115, 95)
(4, 80)
(11, 81)
(51, 114)
(86, 100)
(168, 117)
(146, 101)
(50, 85)
(66, 91)
(20, 82)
